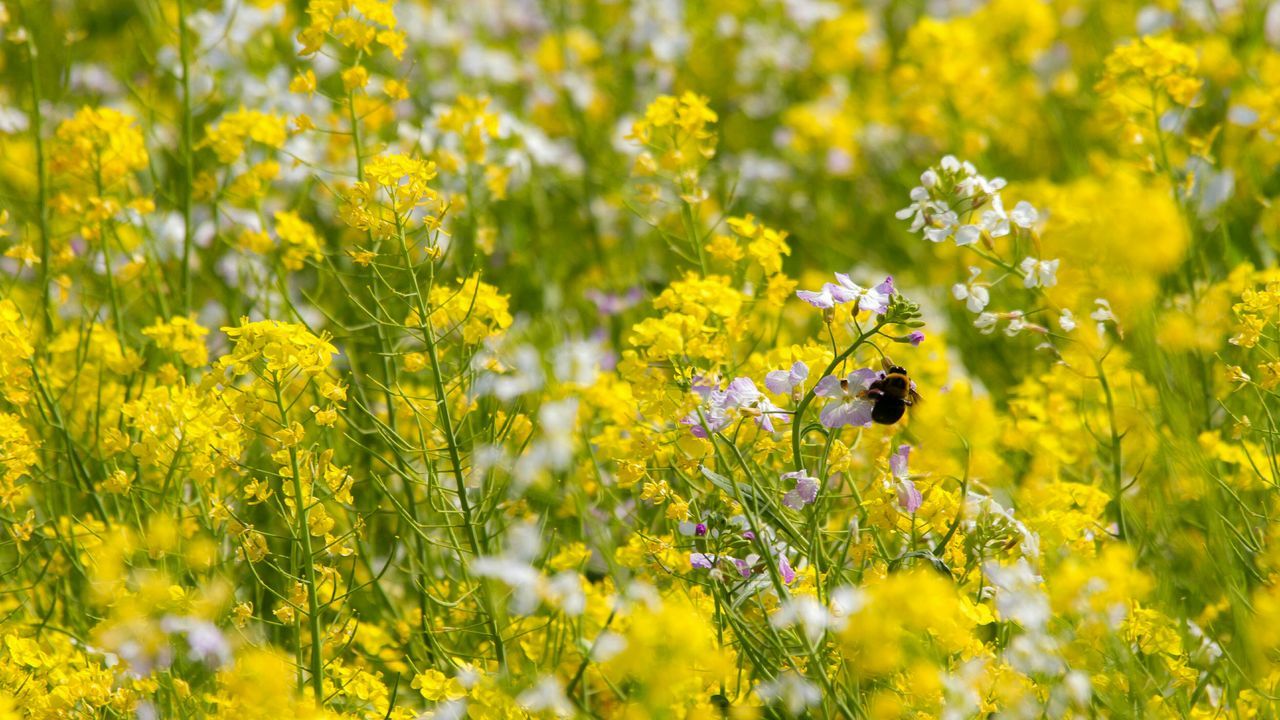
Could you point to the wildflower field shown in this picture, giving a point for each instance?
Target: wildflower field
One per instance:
(503, 359)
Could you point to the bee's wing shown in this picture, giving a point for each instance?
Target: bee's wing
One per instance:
(916, 398)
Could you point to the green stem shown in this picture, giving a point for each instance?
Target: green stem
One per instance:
(1117, 467)
(797, 421)
(42, 179)
(302, 510)
(691, 229)
(184, 52)
(451, 439)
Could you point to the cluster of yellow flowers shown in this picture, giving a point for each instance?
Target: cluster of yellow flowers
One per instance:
(279, 348)
(1156, 64)
(99, 145)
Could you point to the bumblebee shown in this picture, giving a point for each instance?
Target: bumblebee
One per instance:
(892, 394)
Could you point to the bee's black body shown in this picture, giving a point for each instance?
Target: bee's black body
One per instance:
(892, 395)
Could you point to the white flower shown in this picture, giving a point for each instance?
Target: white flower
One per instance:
(579, 361)
(1102, 315)
(929, 178)
(979, 185)
(968, 235)
(205, 641)
(805, 491)
(520, 374)
(530, 587)
(1079, 687)
(1067, 321)
(920, 203)
(994, 219)
(1016, 323)
(1024, 214)
(986, 323)
(607, 646)
(1041, 273)
(940, 225)
(791, 690)
(1019, 594)
(821, 299)
(975, 296)
(554, 450)
(546, 696)
(12, 120)
(807, 612)
(950, 164)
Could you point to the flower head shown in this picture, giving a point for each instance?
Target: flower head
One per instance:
(909, 497)
(1024, 215)
(845, 290)
(848, 404)
(975, 294)
(783, 382)
(804, 492)
(742, 396)
(1039, 273)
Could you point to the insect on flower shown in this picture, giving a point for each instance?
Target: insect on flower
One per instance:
(892, 394)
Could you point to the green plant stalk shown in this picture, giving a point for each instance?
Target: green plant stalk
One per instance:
(1117, 467)
(691, 229)
(112, 291)
(455, 458)
(386, 352)
(184, 52)
(42, 180)
(309, 569)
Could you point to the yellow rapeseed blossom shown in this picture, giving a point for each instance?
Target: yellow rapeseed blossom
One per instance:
(182, 337)
(100, 145)
(276, 347)
(231, 136)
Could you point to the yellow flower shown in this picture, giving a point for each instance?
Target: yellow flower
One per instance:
(182, 337)
(99, 144)
(117, 483)
(572, 555)
(436, 687)
(355, 78)
(474, 307)
(1151, 631)
(723, 247)
(300, 241)
(230, 136)
(17, 457)
(304, 82)
(24, 651)
(279, 348)
(1156, 61)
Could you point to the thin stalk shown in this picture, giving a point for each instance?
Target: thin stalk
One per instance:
(1117, 467)
(42, 189)
(301, 509)
(184, 53)
(451, 439)
(691, 229)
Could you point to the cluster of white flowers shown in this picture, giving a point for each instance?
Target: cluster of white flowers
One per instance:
(530, 588)
(954, 202)
(814, 619)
